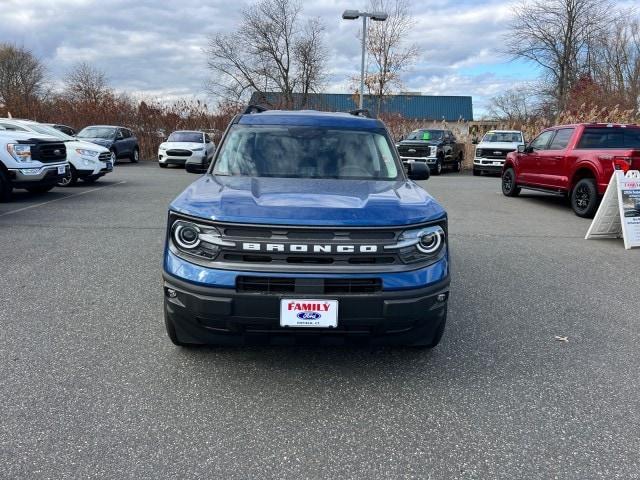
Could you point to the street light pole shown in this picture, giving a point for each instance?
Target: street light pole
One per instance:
(354, 15)
(364, 42)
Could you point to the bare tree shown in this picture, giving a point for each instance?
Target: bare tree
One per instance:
(557, 36)
(22, 79)
(515, 106)
(272, 50)
(85, 83)
(389, 55)
(616, 65)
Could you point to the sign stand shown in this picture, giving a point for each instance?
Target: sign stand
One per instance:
(619, 213)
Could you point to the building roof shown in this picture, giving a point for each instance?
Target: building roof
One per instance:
(310, 118)
(422, 107)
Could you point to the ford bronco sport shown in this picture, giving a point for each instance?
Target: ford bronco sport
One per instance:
(306, 228)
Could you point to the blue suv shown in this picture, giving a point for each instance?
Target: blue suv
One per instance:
(306, 228)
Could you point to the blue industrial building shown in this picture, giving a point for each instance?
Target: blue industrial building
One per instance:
(416, 107)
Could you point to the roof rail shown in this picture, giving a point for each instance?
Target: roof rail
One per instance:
(361, 112)
(255, 109)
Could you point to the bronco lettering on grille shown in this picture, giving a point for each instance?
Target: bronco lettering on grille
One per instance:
(303, 248)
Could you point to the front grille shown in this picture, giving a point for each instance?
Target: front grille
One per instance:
(105, 157)
(327, 238)
(417, 151)
(179, 153)
(497, 153)
(324, 286)
(48, 152)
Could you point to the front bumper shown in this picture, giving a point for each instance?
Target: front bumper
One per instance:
(179, 160)
(41, 176)
(209, 315)
(489, 165)
(430, 161)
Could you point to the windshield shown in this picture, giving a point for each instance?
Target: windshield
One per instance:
(507, 137)
(426, 135)
(50, 131)
(306, 152)
(97, 132)
(195, 137)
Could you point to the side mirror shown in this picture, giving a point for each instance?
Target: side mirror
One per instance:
(418, 171)
(475, 141)
(521, 148)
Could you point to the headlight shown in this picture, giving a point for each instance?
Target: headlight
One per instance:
(433, 151)
(21, 152)
(86, 153)
(198, 149)
(421, 244)
(195, 239)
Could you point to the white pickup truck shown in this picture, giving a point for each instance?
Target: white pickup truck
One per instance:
(492, 151)
(30, 161)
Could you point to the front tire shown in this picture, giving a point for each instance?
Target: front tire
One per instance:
(458, 166)
(509, 186)
(438, 169)
(162, 165)
(135, 156)
(584, 198)
(5, 188)
(114, 157)
(69, 179)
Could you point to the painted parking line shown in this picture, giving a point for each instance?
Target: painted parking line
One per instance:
(11, 212)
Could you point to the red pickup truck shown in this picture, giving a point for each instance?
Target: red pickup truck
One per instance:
(573, 160)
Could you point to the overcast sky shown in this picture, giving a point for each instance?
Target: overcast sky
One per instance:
(155, 46)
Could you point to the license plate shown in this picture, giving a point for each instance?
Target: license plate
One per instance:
(61, 170)
(497, 163)
(307, 313)
(109, 166)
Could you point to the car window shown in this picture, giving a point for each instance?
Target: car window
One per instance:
(561, 139)
(125, 133)
(426, 135)
(607, 138)
(97, 132)
(541, 142)
(192, 137)
(306, 152)
(507, 137)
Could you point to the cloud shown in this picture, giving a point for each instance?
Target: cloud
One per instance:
(155, 47)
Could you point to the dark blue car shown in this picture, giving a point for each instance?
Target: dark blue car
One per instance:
(120, 141)
(306, 228)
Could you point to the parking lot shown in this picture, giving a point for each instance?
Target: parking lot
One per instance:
(93, 388)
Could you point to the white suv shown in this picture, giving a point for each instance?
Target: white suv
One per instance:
(88, 161)
(492, 151)
(33, 162)
(190, 148)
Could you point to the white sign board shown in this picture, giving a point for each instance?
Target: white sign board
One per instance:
(619, 213)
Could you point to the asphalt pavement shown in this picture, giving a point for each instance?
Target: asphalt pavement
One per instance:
(91, 387)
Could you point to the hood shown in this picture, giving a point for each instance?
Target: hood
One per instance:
(182, 145)
(9, 135)
(85, 145)
(326, 202)
(419, 143)
(98, 141)
(498, 145)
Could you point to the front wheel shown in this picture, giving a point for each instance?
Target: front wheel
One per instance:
(70, 178)
(509, 186)
(459, 166)
(162, 165)
(584, 198)
(5, 188)
(114, 157)
(438, 169)
(135, 156)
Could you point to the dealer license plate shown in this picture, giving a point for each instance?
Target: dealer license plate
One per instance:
(61, 169)
(307, 313)
(109, 166)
